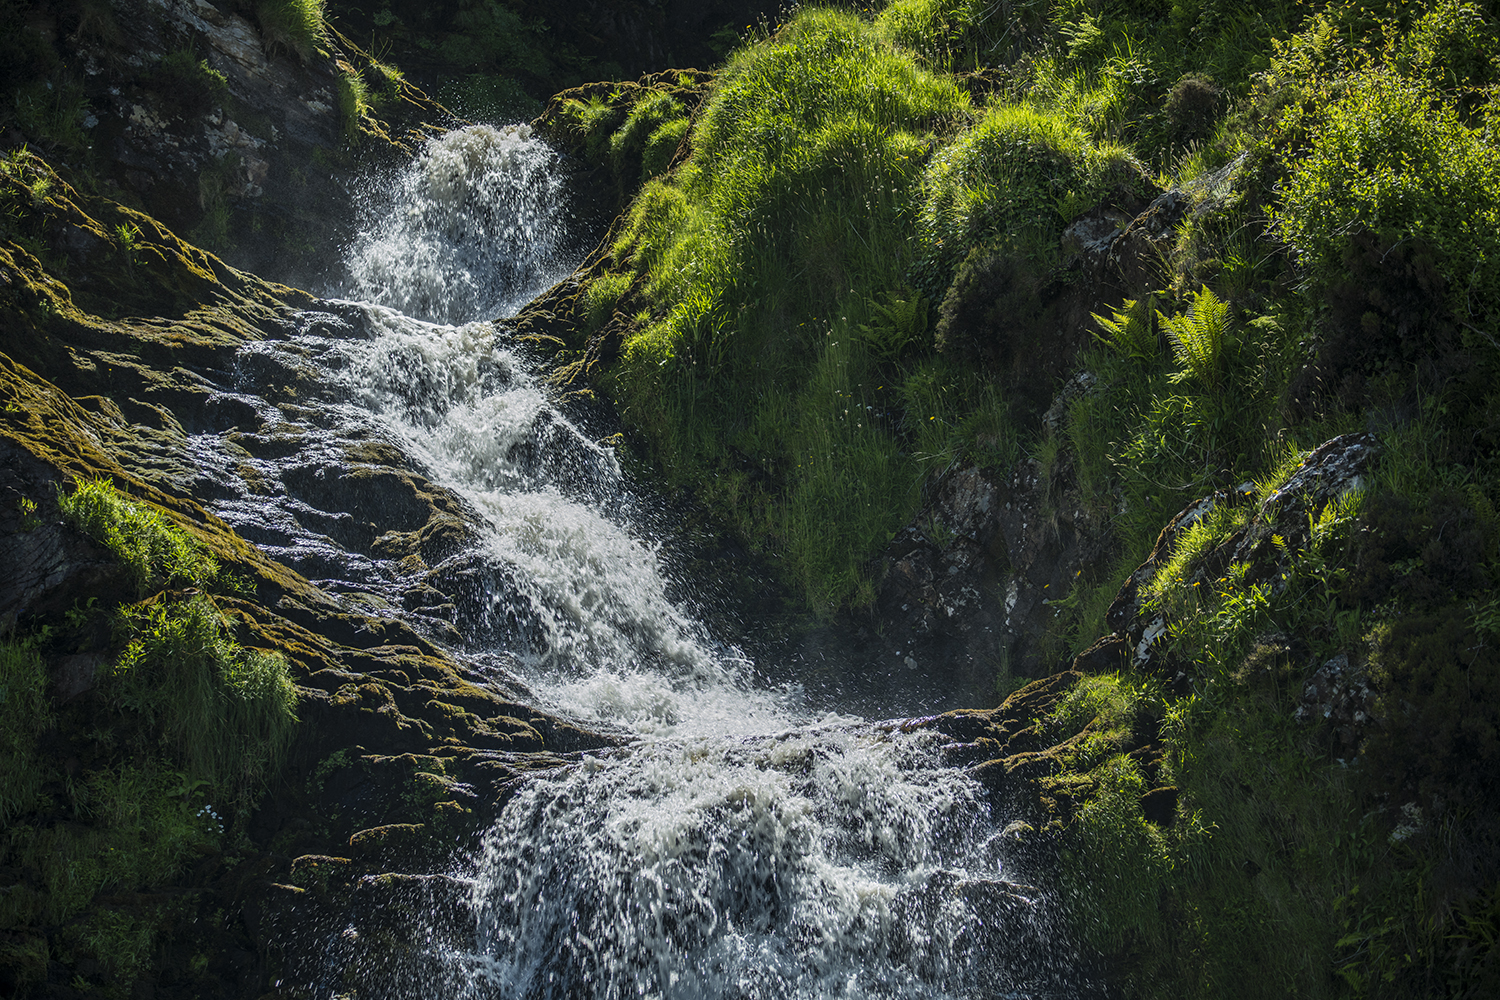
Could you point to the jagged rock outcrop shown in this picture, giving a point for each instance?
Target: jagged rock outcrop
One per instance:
(246, 138)
(1332, 469)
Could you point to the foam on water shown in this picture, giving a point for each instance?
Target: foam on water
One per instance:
(613, 646)
(808, 864)
(739, 848)
(469, 231)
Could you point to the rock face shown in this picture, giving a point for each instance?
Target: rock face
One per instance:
(1331, 470)
(401, 744)
(193, 112)
(966, 591)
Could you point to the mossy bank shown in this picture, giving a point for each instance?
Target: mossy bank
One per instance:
(199, 747)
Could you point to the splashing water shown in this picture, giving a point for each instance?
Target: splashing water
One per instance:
(830, 862)
(740, 848)
(472, 229)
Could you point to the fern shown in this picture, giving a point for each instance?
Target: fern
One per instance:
(1130, 331)
(900, 324)
(1199, 339)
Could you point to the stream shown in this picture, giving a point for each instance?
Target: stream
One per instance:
(744, 843)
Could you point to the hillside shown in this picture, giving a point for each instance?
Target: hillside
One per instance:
(1128, 365)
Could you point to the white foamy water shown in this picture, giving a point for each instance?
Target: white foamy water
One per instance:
(739, 848)
(469, 231)
(820, 863)
(612, 647)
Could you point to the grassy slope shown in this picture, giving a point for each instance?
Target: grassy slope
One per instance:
(777, 297)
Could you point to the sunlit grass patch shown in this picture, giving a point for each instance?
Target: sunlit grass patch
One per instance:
(1017, 169)
(295, 26)
(153, 550)
(782, 325)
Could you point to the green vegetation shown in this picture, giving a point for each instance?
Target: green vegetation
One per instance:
(188, 85)
(121, 791)
(354, 101)
(861, 273)
(153, 550)
(774, 291)
(296, 26)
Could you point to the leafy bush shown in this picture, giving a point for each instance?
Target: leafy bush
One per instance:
(1453, 45)
(153, 550)
(1392, 157)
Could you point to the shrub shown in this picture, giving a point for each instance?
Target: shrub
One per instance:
(1452, 45)
(1191, 105)
(1392, 158)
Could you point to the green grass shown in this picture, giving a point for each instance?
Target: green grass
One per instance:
(1018, 169)
(179, 739)
(227, 713)
(25, 712)
(295, 26)
(779, 312)
(794, 266)
(154, 551)
(355, 102)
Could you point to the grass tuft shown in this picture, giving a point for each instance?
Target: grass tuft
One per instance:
(153, 550)
(296, 26)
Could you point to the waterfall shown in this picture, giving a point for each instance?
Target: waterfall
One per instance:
(475, 226)
(742, 845)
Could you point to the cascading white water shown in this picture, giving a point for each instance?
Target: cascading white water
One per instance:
(740, 847)
(469, 231)
(817, 863)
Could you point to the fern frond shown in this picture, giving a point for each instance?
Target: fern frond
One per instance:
(1130, 331)
(1198, 338)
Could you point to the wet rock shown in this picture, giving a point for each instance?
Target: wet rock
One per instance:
(219, 143)
(396, 733)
